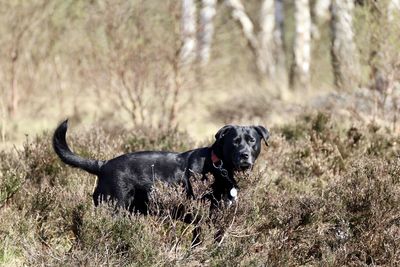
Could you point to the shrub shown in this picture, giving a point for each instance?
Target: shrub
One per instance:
(327, 196)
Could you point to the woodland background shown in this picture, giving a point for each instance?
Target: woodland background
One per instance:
(322, 75)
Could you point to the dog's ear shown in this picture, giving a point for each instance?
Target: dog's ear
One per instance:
(263, 132)
(218, 145)
(223, 131)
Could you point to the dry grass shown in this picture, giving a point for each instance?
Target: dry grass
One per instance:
(322, 195)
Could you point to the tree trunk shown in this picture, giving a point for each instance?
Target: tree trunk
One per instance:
(321, 10)
(187, 53)
(271, 60)
(206, 30)
(319, 15)
(280, 57)
(266, 60)
(343, 49)
(279, 16)
(300, 70)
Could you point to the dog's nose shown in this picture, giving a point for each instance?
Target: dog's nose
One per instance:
(244, 155)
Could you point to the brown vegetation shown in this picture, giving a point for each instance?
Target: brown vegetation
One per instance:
(321, 194)
(326, 192)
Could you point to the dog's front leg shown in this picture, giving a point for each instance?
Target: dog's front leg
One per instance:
(188, 185)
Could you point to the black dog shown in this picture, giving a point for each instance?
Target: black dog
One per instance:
(128, 179)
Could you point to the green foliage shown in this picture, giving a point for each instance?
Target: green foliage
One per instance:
(10, 183)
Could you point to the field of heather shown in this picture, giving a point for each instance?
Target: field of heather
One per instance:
(325, 192)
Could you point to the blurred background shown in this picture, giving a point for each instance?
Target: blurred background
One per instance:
(195, 65)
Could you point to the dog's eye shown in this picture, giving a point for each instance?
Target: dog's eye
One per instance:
(250, 140)
(237, 141)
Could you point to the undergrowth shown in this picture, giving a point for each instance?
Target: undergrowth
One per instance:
(321, 194)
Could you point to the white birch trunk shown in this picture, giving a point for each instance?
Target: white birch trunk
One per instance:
(188, 28)
(271, 60)
(279, 16)
(321, 10)
(343, 49)
(319, 15)
(300, 72)
(280, 58)
(266, 60)
(206, 30)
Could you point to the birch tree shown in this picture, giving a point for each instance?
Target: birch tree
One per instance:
(321, 10)
(300, 70)
(271, 58)
(265, 60)
(188, 28)
(343, 49)
(319, 15)
(206, 30)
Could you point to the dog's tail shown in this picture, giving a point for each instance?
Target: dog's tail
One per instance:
(67, 156)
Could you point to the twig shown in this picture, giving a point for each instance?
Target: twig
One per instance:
(230, 226)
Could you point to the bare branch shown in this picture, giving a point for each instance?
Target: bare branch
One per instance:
(239, 14)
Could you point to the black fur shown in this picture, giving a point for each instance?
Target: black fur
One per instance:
(127, 179)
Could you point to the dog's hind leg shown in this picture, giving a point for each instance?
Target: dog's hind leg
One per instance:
(188, 187)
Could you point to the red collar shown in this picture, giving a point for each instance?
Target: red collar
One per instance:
(214, 157)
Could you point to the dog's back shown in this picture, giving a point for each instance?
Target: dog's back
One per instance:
(127, 178)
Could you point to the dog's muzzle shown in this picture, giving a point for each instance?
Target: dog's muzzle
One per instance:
(243, 164)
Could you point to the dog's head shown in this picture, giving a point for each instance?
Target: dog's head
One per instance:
(239, 146)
